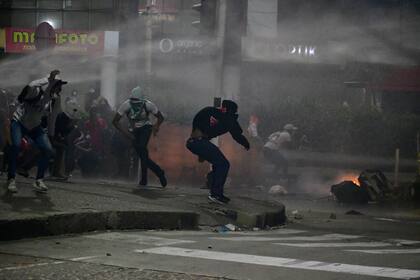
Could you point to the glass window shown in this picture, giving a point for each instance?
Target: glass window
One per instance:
(76, 4)
(50, 4)
(23, 3)
(101, 21)
(76, 20)
(53, 18)
(102, 4)
(23, 19)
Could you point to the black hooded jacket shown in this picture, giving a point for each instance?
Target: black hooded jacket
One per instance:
(213, 122)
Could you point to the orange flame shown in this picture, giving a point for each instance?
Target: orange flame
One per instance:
(349, 177)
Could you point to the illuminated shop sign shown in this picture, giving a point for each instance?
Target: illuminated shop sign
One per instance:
(186, 46)
(20, 40)
(302, 50)
(264, 49)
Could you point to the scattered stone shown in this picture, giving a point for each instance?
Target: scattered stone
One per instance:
(231, 227)
(297, 215)
(353, 212)
(277, 189)
(333, 216)
(255, 229)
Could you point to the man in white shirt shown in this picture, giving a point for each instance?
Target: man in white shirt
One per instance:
(277, 143)
(35, 104)
(138, 109)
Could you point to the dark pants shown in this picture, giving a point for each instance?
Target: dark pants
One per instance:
(142, 136)
(278, 159)
(206, 150)
(40, 139)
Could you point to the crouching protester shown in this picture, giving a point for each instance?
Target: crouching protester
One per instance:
(35, 102)
(208, 123)
(137, 109)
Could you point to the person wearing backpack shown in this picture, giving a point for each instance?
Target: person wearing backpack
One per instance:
(35, 103)
(138, 109)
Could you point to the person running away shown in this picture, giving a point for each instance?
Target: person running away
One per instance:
(208, 123)
(138, 109)
(35, 103)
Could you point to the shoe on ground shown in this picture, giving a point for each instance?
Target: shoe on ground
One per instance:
(163, 180)
(59, 177)
(11, 186)
(216, 199)
(40, 186)
(225, 199)
(142, 183)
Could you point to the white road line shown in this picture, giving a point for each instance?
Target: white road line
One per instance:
(335, 245)
(29, 265)
(137, 238)
(388, 251)
(284, 231)
(264, 232)
(46, 263)
(403, 241)
(84, 258)
(326, 237)
(286, 262)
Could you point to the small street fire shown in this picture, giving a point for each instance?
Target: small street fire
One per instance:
(370, 185)
(349, 177)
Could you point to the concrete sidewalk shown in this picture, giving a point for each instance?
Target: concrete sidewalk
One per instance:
(82, 205)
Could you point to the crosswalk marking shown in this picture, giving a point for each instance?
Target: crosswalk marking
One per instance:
(336, 245)
(286, 262)
(388, 251)
(404, 241)
(325, 237)
(283, 231)
(137, 238)
(263, 232)
(29, 265)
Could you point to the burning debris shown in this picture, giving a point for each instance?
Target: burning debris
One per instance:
(371, 185)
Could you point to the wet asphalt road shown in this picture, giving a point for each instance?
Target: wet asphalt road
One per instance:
(292, 252)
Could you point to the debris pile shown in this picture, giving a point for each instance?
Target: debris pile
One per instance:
(371, 185)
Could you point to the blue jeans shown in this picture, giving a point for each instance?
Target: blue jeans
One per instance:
(206, 150)
(41, 141)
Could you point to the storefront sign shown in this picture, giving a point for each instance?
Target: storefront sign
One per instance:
(2, 38)
(185, 46)
(264, 49)
(20, 40)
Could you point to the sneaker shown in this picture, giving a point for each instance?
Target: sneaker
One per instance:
(40, 186)
(225, 199)
(11, 186)
(163, 180)
(216, 199)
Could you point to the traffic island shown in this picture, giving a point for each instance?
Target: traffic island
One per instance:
(68, 223)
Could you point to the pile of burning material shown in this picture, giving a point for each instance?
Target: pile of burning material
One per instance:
(371, 185)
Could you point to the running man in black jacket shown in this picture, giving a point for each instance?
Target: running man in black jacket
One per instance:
(208, 123)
